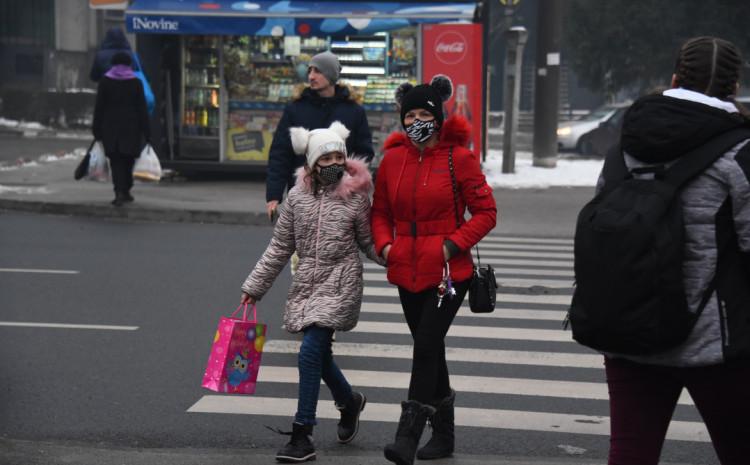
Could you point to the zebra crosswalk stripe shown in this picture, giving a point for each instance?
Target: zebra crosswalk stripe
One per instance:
(479, 332)
(492, 238)
(557, 299)
(452, 354)
(462, 383)
(502, 280)
(476, 417)
(509, 313)
(527, 254)
(519, 246)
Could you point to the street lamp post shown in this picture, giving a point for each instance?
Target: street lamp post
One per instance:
(515, 40)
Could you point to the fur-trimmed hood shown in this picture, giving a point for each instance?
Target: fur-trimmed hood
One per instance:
(456, 130)
(356, 180)
(344, 92)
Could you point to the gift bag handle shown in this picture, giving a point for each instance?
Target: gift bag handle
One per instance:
(244, 312)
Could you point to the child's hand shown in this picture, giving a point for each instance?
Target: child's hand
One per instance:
(246, 299)
(386, 251)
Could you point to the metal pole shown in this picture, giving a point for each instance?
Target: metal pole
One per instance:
(547, 88)
(485, 78)
(515, 40)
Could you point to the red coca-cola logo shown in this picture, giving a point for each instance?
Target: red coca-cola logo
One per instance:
(450, 47)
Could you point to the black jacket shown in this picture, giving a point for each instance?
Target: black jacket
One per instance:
(114, 41)
(314, 112)
(120, 117)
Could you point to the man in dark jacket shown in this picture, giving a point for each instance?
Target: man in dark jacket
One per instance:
(319, 105)
(114, 42)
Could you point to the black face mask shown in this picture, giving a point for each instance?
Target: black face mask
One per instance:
(332, 174)
(419, 131)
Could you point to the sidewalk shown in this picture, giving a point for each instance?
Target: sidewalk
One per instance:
(535, 201)
(50, 188)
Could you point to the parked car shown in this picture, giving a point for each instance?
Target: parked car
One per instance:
(598, 141)
(569, 132)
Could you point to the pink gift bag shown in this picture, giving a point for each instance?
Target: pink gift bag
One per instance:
(235, 354)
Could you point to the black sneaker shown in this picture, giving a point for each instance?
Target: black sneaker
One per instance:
(118, 201)
(300, 448)
(349, 423)
(127, 197)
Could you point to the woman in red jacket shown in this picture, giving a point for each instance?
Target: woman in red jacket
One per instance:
(419, 228)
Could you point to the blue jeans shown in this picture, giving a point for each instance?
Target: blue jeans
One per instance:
(316, 363)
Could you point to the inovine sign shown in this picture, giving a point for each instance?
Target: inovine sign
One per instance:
(154, 25)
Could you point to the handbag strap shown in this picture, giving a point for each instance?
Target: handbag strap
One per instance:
(454, 185)
(244, 312)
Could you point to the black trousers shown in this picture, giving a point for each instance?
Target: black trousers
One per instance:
(428, 325)
(121, 167)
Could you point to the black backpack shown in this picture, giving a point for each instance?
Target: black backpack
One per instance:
(628, 255)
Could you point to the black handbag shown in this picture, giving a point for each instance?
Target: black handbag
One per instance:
(83, 167)
(483, 286)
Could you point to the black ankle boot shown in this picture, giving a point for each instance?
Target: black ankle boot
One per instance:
(300, 448)
(410, 426)
(119, 200)
(349, 424)
(443, 438)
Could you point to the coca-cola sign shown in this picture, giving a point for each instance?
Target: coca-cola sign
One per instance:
(450, 48)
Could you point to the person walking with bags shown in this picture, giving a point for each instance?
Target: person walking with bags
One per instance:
(326, 221)
(121, 123)
(426, 181)
(696, 319)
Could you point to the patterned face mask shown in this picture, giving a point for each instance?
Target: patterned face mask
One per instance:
(419, 131)
(332, 174)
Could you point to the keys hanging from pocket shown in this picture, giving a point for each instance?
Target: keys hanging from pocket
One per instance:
(445, 288)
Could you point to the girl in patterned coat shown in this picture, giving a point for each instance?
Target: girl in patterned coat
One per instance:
(325, 219)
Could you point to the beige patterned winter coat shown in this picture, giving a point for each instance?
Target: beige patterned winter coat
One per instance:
(327, 231)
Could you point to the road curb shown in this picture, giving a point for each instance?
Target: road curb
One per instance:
(135, 212)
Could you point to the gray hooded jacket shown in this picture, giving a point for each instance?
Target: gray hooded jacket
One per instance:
(657, 131)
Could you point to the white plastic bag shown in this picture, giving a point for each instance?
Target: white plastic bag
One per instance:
(98, 164)
(147, 166)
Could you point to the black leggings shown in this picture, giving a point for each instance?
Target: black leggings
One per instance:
(122, 172)
(428, 326)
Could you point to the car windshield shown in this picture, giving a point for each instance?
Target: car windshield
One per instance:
(598, 114)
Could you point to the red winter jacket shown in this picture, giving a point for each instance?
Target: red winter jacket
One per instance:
(413, 208)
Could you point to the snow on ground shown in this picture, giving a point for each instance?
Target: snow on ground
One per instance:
(23, 190)
(569, 172)
(43, 159)
(11, 123)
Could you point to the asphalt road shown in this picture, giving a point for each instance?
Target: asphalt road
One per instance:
(128, 387)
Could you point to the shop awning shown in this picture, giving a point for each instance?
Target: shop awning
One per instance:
(305, 18)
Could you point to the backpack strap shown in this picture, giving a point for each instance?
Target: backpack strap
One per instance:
(614, 171)
(700, 158)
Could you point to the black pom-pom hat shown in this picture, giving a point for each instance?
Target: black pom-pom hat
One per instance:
(428, 96)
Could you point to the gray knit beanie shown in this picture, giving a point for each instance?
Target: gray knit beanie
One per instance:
(328, 65)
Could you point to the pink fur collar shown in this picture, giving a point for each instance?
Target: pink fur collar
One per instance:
(356, 180)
